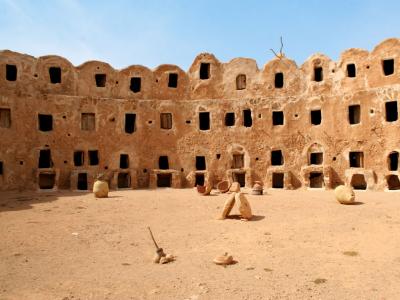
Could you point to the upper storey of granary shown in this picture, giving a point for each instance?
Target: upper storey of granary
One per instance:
(207, 78)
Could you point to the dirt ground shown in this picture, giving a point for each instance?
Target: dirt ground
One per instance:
(301, 244)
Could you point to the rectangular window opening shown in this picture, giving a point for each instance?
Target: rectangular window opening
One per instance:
(93, 157)
(163, 163)
(88, 121)
(277, 118)
(11, 72)
(173, 80)
(204, 71)
(316, 180)
(393, 182)
(79, 158)
(1, 168)
(199, 180)
(278, 80)
(230, 119)
(166, 120)
(351, 70)
(247, 120)
(135, 85)
(5, 117)
(204, 120)
(391, 111)
(100, 80)
(47, 181)
(200, 163)
(241, 178)
(241, 82)
(45, 159)
(124, 180)
(354, 114)
(276, 158)
(164, 180)
(394, 161)
(388, 66)
(358, 182)
(45, 122)
(356, 159)
(124, 161)
(82, 183)
(316, 158)
(316, 117)
(130, 123)
(55, 74)
(318, 74)
(278, 180)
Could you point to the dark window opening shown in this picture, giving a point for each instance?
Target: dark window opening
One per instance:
(391, 111)
(388, 66)
(277, 118)
(351, 70)
(47, 181)
(247, 120)
(172, 80)
(100, 80)
(199, 180)
(241, 82)
(238, 161)
(166, 120)
(356, 159)
(79, 158)
(204, 120)
(316, 117)
(204, 70)
(88, 121)
(276, 158)
(5, 117)
(358, 182)
(318, 74)
(230, 119)
(164, 180)
(45, 122)
(200, 163)
(130, 123)
(45, 159)
(316, 180)
(278, 180)
(278, 80)
(316, 158)
(93, 157)
(354, 114)
(393, 182)
(136, 83)
(11, 72)
(124, 161)
(124, 180)
(82, 183)
(241, 178)
(394, 161)
(1, 168)
(218, 156)
(163, 163)
(55, 74)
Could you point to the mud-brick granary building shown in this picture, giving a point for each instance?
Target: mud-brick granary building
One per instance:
(315, 126)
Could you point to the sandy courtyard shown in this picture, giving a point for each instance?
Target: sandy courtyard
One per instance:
(301, 244)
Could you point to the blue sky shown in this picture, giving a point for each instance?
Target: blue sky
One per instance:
(151, 33)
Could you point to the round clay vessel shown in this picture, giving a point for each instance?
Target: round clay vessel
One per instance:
(223, 186)
(345, 194)
(100, 189)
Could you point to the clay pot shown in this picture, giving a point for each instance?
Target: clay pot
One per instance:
(100, 189)
(229, 203)
(204, 190)
(223, 259)
(235, 187)
(223, 186)
(345, 194)
(257, 189)
(244, 208)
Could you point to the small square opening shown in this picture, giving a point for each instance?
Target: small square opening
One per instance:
(204, 71)
(124, 180)
(166, 120)
(55, 75)
(79, 158)
(173, 80)
(163, 163)
(47, 181)
(318, 74)
(316, 180)
(204, 120)
(45, 159)
(278, 80)
(277, 118)
(93, 157)
(358, 182)
(100, 80)
(351, 70)
(354, 114)
(82, 183)
(241, 82)
(230, 119)
(391, 111)
(316, 117)
(11, 72)
(393, 182)
(130, 123)
(356, 159)
(316, 158)
(164, 180)
(276, 158)
(136, 84)
(45, 122)
(247, 119)
(200, 163)
(238, 161)
(5, 117)
(388, 66)
(199, 180)
(124, 161)
(241, 178)
(88, 121)
(278, 180)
